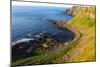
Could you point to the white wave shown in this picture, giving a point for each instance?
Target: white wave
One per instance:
(22, 40)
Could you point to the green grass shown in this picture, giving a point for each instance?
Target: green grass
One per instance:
(85, 49)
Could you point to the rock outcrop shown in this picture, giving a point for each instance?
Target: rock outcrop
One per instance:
(25, 48)
(88, 10)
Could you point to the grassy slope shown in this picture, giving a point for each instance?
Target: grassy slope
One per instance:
(84, 22)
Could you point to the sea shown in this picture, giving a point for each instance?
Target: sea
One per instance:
(27, 21)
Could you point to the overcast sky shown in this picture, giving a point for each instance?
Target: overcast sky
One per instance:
(86, 2)
(39, 4)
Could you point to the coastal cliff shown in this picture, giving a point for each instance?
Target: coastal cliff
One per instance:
(86, 10)
(84, 22)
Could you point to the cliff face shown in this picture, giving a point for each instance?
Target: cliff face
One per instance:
(86, 10)
(83, 21)
(73, 11)
(82, 15)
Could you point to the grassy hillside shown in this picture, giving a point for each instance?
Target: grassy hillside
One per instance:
(83, 22)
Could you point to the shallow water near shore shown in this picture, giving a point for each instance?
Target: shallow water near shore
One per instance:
(27, 21)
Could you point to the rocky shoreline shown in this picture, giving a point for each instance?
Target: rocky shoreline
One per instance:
(42, 40)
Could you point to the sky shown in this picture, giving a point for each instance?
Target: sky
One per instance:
(86, 2)
(39, 4)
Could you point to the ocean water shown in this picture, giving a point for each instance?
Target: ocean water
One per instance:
(33, 19)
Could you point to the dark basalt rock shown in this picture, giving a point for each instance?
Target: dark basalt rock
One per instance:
(58, 23)
(23, 49)
(42, 40)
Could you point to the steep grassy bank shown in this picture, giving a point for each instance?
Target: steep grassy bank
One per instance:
(84, 22)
